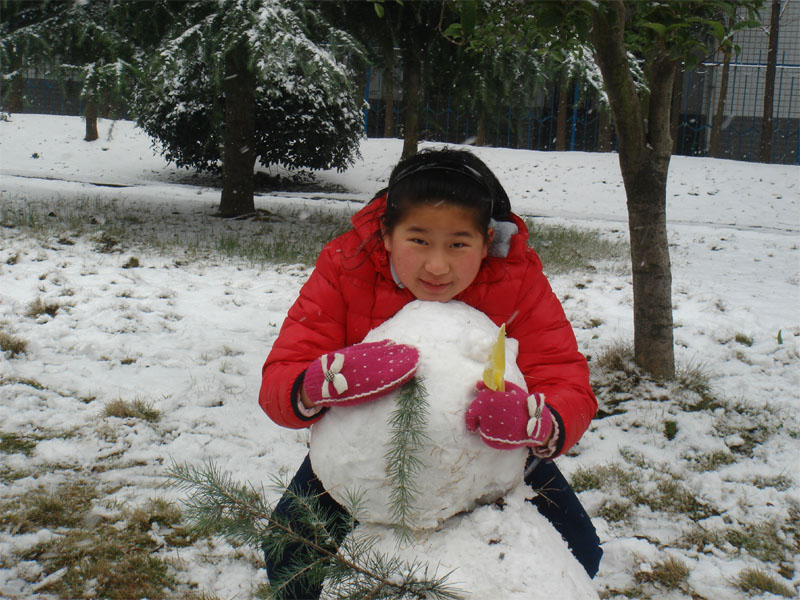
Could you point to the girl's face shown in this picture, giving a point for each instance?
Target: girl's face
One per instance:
(436, 250)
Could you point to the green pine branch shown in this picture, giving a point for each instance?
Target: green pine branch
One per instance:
(218, 505)
(408, 422)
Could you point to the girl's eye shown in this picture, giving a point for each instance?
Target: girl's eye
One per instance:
(459, 245)
(417, 241)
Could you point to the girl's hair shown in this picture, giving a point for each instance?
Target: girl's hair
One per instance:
(447, 175)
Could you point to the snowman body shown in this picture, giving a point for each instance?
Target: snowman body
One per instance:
(458, 526)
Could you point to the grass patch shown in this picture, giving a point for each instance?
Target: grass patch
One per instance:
(41, 508)
(106, 243)
(283, 246)
(564, 249)
(12, 345)
(779, 482)
(39, 307)
(711, 461)
(600, 477)
(286, 235)
(674, 497)
(290, 235)
(699, 537)
(753, 424)
(670, 573)
(616, 510)
(617, 358)
(11, 443)
(758, 581)
(761, 540)
(743, 339)
(616, 379)
(132, 409)
(22, 381)
(8, 475)
(768, 541)
(668, 494)
(111, 553)
(694, 377)
(113, 557)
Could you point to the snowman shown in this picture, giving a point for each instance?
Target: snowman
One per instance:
(494, 549)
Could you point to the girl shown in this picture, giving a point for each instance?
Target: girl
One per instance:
(442, 230)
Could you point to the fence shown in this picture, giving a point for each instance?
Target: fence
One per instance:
(534, 127)
(740, 132)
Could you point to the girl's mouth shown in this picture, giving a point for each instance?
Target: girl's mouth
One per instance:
(434, 287)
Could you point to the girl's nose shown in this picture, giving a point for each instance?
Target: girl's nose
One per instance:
(436, 264)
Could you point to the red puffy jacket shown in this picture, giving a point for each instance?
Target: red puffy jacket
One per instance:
(351, 291)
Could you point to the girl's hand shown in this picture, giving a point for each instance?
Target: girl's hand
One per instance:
(359, 373)
(510, 419)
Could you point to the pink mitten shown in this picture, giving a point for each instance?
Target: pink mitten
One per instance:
(509, 419)
(359, 373)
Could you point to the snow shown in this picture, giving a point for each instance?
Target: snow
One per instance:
(189, 337)
(515, 550)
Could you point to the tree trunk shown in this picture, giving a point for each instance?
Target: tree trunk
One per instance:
(561, 116)
(719, 115)
(16, 99)
(645, 147)
(388, 83)
(480, 139)
(412, 77)
(91, 120)
(238, 136)
(652, 276)
(388, 100)
(675, 110)
(605, 141)
(16, 96)
(769, 82)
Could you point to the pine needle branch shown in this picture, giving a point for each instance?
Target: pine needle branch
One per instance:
(407, 425)
(218, 505)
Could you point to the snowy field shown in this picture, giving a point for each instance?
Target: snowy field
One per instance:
(688, 480)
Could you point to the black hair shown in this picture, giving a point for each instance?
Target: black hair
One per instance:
(447, 175)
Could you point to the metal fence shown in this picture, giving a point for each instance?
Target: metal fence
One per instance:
(534, 126)
(740, 132)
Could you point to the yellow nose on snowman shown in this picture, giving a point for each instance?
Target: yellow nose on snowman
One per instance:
(494, 373)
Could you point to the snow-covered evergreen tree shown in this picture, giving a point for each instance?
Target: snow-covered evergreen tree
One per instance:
(95, 43)
(251, 79)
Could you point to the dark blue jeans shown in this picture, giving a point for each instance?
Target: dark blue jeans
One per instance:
(556, 501)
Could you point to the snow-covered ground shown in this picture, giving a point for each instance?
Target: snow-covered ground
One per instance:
(189, 338)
